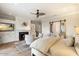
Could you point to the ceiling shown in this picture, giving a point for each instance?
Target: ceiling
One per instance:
(25, 9)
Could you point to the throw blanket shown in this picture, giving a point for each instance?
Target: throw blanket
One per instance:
(43, 44)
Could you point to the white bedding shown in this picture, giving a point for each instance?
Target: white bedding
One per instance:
(44, 44)
(60, 49)
(52, 46)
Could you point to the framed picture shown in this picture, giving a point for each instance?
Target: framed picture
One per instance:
(6, 27)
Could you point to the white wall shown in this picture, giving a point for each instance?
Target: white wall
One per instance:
(72, 20)
(10, 36)
(45, 27)
(7, 36)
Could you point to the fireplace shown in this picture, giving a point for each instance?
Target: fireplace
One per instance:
(22, 35)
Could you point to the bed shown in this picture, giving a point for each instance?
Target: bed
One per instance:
(52, 46)
(60, 49)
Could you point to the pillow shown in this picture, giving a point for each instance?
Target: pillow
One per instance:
(69, 41)
(47, 34)
(40, 35)
(76, 45)
(56, 34)
(43, 45)
(50, 34)
(60, 49)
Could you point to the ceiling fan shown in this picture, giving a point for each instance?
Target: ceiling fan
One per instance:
(38, 13)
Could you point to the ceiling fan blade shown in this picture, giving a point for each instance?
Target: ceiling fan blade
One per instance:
(33, 13)
(41, 13)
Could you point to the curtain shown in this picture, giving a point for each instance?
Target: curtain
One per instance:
(56, 27)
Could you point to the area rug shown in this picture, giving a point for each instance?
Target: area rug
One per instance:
(15, 49)
(23, 48)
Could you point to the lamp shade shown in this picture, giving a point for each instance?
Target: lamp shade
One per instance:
(77, 30)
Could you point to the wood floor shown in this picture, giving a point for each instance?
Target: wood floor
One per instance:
(15, 49)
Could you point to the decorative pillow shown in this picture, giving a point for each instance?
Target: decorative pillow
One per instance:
(40, 35)
(60, 49)
(76, 45)
(47, 34)
(43, 45)
(69, 41)
(55, 34)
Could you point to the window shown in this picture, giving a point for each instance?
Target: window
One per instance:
(6, 27)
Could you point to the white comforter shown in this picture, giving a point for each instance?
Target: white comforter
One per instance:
(53, 46)
(43, 44)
